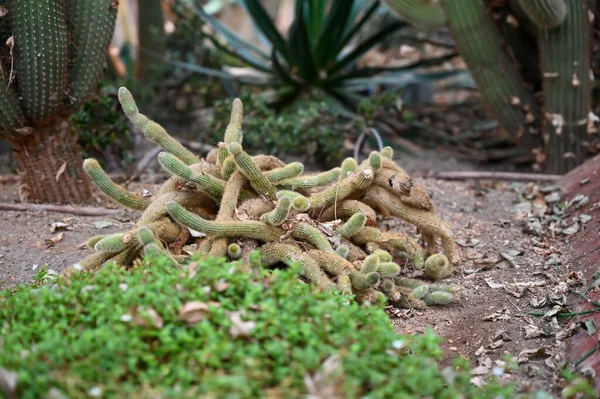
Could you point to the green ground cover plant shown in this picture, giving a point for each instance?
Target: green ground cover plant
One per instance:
(213, 330)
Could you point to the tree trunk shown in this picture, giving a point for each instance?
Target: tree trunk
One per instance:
(49, 159)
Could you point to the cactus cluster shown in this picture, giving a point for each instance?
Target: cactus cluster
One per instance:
(261, 211)
(52, 56)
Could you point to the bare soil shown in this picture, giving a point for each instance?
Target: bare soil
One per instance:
(488, 324)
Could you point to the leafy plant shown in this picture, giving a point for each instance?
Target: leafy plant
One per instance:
(213, 330)
(319, 52)
(313, 130)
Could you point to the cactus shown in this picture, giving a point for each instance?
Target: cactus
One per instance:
(546, 14)
(426, 13)
(57, 55)
(555, 131)
(257, 207)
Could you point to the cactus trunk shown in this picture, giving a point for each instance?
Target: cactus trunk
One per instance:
(50, 160)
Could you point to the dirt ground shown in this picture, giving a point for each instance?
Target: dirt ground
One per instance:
(503, 271)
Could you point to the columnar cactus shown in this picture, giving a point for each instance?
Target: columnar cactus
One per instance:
(264, 209)
(56, 55)
(555, 129)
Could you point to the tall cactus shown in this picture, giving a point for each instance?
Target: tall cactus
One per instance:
(426, 13)
(563, 31)
(56, 55)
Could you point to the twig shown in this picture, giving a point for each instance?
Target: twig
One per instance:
(83, 211)
(515, 176)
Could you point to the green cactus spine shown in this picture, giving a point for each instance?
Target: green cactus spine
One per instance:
(91, 24)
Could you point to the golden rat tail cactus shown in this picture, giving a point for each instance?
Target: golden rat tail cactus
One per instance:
(264, 212)
(57, 55)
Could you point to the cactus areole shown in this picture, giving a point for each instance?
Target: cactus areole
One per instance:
(54, 56)
(262, 212)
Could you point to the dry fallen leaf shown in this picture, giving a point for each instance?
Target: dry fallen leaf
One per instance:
(54, 240)
(528, 354)
(147, 317)
(240, 328)
(194, 312)
(61, 170)
(59, 226)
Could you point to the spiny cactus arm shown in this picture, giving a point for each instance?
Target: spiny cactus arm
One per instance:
(388, 269)
(222, 154)
(41, 55)
(249, 229)
(352, 225)
(371, 296)
(546, 14)
(362, 282)
(370, 264)
(247, 166)
(218, 247)
(426, 221)
(346, 208)
(384, 256)
(277, 216)
(414, 283)
(418, 198)
(299, 202)
(565, 62)
(390, 241)
(343, 251)
(310, 234)
(234, 251)
(157, 210)
(439, 298)
(387, 286)
(228, 168)
(155, 249)
(358, 180)
(233, 132)
(426, 13)
(290, 254)
(91, 24)
(91, 242)
(438, 267)
(375, 161)
(113, 190)
(348, 166)
(164, 229)
(305, 182)
(289, 171)
(332, 263)
(111, 243)
(402, 297)
(152, 130)
(11, 113)
(387, 153)
(127, 256)
(344, 285)
(502, 89)
(231, 195)
(420, 291)
(212, 185)
(91, 263)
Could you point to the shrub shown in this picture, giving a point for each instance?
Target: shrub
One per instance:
(120, 333)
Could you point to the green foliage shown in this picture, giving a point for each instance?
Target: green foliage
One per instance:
(310, 129)
(102, 126)
(320, 51)
(119, 333)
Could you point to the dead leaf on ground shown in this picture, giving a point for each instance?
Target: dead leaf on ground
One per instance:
(54, 240)
(147, 317)
(102, 224)
(8, 383)
(61, 170)
(240, 328)
(528, 354)
(60, 226)
(194, 312)
(503, 314)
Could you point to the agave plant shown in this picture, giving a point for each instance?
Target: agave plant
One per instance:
(320, 51)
